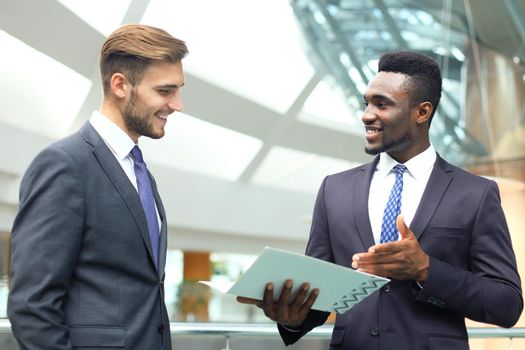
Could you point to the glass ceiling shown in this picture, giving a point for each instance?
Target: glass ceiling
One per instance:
(347, 36)
(266, 53)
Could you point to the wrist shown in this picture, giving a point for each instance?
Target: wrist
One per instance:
(292, 328)
(423, 273)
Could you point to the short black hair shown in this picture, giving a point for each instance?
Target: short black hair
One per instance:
(423, 72)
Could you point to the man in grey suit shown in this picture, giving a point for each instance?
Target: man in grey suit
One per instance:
(455, 258)
(89, 240)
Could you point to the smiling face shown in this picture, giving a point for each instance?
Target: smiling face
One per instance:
(392, 125)
(148, 103)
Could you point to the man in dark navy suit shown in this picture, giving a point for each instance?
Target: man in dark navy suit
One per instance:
(451, 256)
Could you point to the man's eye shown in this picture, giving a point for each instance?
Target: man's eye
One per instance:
(365, 104)
(164, 92)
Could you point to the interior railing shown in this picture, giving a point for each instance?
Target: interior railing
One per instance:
(222, 336)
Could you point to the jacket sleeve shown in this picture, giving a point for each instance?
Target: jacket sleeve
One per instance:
(489, 290)
(46, 238)
(319, 247)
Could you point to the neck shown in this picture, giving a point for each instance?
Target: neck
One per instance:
(113, 112)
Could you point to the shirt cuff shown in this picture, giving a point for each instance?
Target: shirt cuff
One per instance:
(295, 330)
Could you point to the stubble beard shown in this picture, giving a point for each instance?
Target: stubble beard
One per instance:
(136, 116)
(398, 144)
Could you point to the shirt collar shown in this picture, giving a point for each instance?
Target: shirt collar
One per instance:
(417, 166)
(116, 139)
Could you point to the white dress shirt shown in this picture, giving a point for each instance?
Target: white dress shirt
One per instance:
(415, 180)
(120, 145)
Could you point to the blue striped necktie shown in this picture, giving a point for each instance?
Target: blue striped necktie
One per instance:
(389, 232)
(146, 198)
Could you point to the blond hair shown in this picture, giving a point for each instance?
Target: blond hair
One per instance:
(132, 48)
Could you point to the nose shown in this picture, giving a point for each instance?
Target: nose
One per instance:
(368, 116)
(175, 103)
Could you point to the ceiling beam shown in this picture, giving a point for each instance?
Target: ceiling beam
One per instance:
(54, 30)
(281, 129)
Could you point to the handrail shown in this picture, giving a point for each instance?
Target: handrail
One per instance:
(269, 329)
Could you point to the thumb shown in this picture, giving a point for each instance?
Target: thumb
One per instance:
(402, 227)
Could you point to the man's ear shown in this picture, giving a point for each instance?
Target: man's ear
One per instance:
(120, 86)
(424, 111)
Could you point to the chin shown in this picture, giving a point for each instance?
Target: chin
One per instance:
(154, 135)
(157, 136)
(373, 150)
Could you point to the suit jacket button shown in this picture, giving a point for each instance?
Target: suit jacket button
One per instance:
(161, 328)
(386, 288)
(375, 331)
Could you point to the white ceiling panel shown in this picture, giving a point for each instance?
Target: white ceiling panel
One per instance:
(295, 170)
(106, 21)
(252, 48)
(39, 94)
(195, 145)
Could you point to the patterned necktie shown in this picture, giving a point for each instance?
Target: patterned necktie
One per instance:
(147, 200)
(389, 231)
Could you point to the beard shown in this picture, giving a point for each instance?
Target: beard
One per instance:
(137, 117)
(391, 145)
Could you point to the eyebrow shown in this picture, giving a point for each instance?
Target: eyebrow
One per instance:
(378, 97)
(169, 86)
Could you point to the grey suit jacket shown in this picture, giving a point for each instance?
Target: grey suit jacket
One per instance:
(460, 224)
(82, 269)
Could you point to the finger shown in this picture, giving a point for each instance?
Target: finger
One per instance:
(382, 258)
(245, 300)
(267, 302)
(355, 260)
(372, 249)
(307, 306)
(361, 259)
(403, 228)
(383, 248)
(300, 296)
(284, 299)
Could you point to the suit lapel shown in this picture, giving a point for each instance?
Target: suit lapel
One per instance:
(120, 181)
(163, 245)
(362, 189)
(434, 191)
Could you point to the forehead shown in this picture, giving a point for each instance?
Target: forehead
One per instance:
(163, 73)
(388, 84)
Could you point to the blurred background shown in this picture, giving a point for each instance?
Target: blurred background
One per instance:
(272, 104)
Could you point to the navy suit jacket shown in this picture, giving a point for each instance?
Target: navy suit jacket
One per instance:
(82, 269)
(461, 226)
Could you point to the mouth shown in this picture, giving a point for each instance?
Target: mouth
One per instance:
(162, 115)
(372, 132)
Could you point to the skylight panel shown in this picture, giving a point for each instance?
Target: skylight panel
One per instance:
(253, 49)
(195, 145)
(294, 170)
